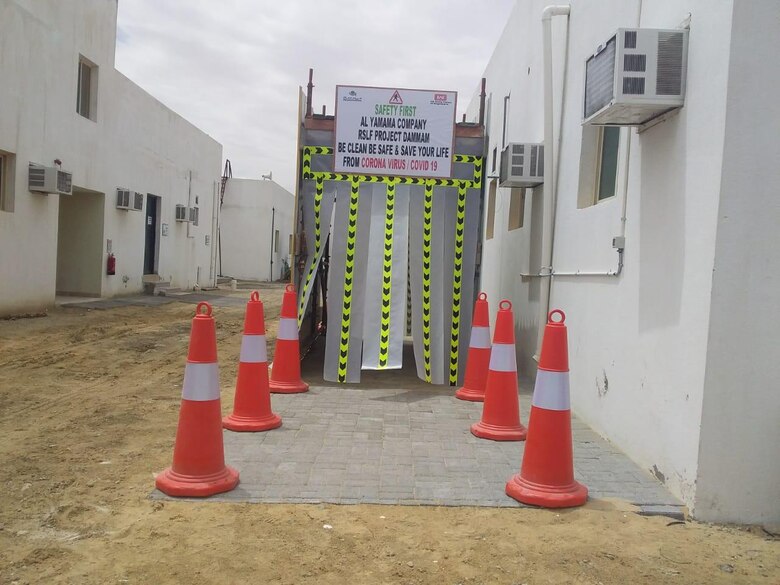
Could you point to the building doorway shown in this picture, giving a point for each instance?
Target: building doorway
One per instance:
(152, 227)
(80, 254)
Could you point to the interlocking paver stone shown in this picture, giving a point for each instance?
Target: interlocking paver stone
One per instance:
(396, 440)
(352, 445)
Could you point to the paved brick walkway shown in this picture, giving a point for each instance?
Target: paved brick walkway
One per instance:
(393, 439)
(359, 445)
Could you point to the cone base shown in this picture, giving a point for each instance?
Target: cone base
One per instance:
(234, 422)
(175, 484)
(496, 433)
(470, 394)
(288, 387)
(546, 496)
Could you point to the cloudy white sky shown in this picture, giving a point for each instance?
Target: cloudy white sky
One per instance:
(233, 67)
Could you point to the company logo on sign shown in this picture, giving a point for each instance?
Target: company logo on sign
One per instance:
(440, 99)
(396, 98)
(352, 97)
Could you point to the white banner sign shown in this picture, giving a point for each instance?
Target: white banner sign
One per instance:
(387, 131)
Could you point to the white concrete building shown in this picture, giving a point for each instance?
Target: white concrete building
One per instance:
(255, 227)
(62, 99)
(675, 359)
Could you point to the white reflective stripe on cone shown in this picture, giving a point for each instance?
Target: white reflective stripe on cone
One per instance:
(551, 390)
(502, 357)
(253, 349)
(480, 337)
(201, 382)
(288, 329)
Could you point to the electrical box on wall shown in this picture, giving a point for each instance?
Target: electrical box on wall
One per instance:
(636, 76)
(522, 165)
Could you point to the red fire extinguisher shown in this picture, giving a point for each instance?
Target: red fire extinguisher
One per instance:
(111, 264)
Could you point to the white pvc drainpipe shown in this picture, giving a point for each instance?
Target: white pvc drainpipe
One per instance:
(548, 195)
(547, 271)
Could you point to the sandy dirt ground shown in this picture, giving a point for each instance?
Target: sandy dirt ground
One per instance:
(88, 410)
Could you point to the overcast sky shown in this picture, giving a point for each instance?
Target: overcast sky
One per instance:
(233, 67)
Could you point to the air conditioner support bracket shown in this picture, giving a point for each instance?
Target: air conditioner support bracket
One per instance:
(657, 120)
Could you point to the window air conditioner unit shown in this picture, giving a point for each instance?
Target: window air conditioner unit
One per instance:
(637, 75)
(138, 201)
(522, 165)
(194, 215)
(123, 198)
(181, 212)
(43, 179)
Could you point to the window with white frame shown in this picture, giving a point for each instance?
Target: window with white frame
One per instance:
(606, 180)
(516, 208)
(491, 211)
(600, 156)
(276, 240)
(86, 93)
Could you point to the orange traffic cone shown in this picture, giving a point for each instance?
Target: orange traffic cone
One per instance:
(479, 354)
(501, 409)
(286, 369)
(199, 457)
(252, 405)
(546, 475)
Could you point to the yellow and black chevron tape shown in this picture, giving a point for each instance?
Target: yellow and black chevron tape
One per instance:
(387, 276)
(349, 276)
(426, 277)
(335, 176)
(374, 179)
(307, 163)
(411, 180)
(462, 185)
(307, 152)
(457, 282)
(476, 181)
(317, 243)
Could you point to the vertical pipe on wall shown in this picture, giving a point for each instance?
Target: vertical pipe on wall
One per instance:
(548, 197)
(273, 220)
(214, 234)
(482, 103)
(189, 201)
(624, 201)
(190, 249)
